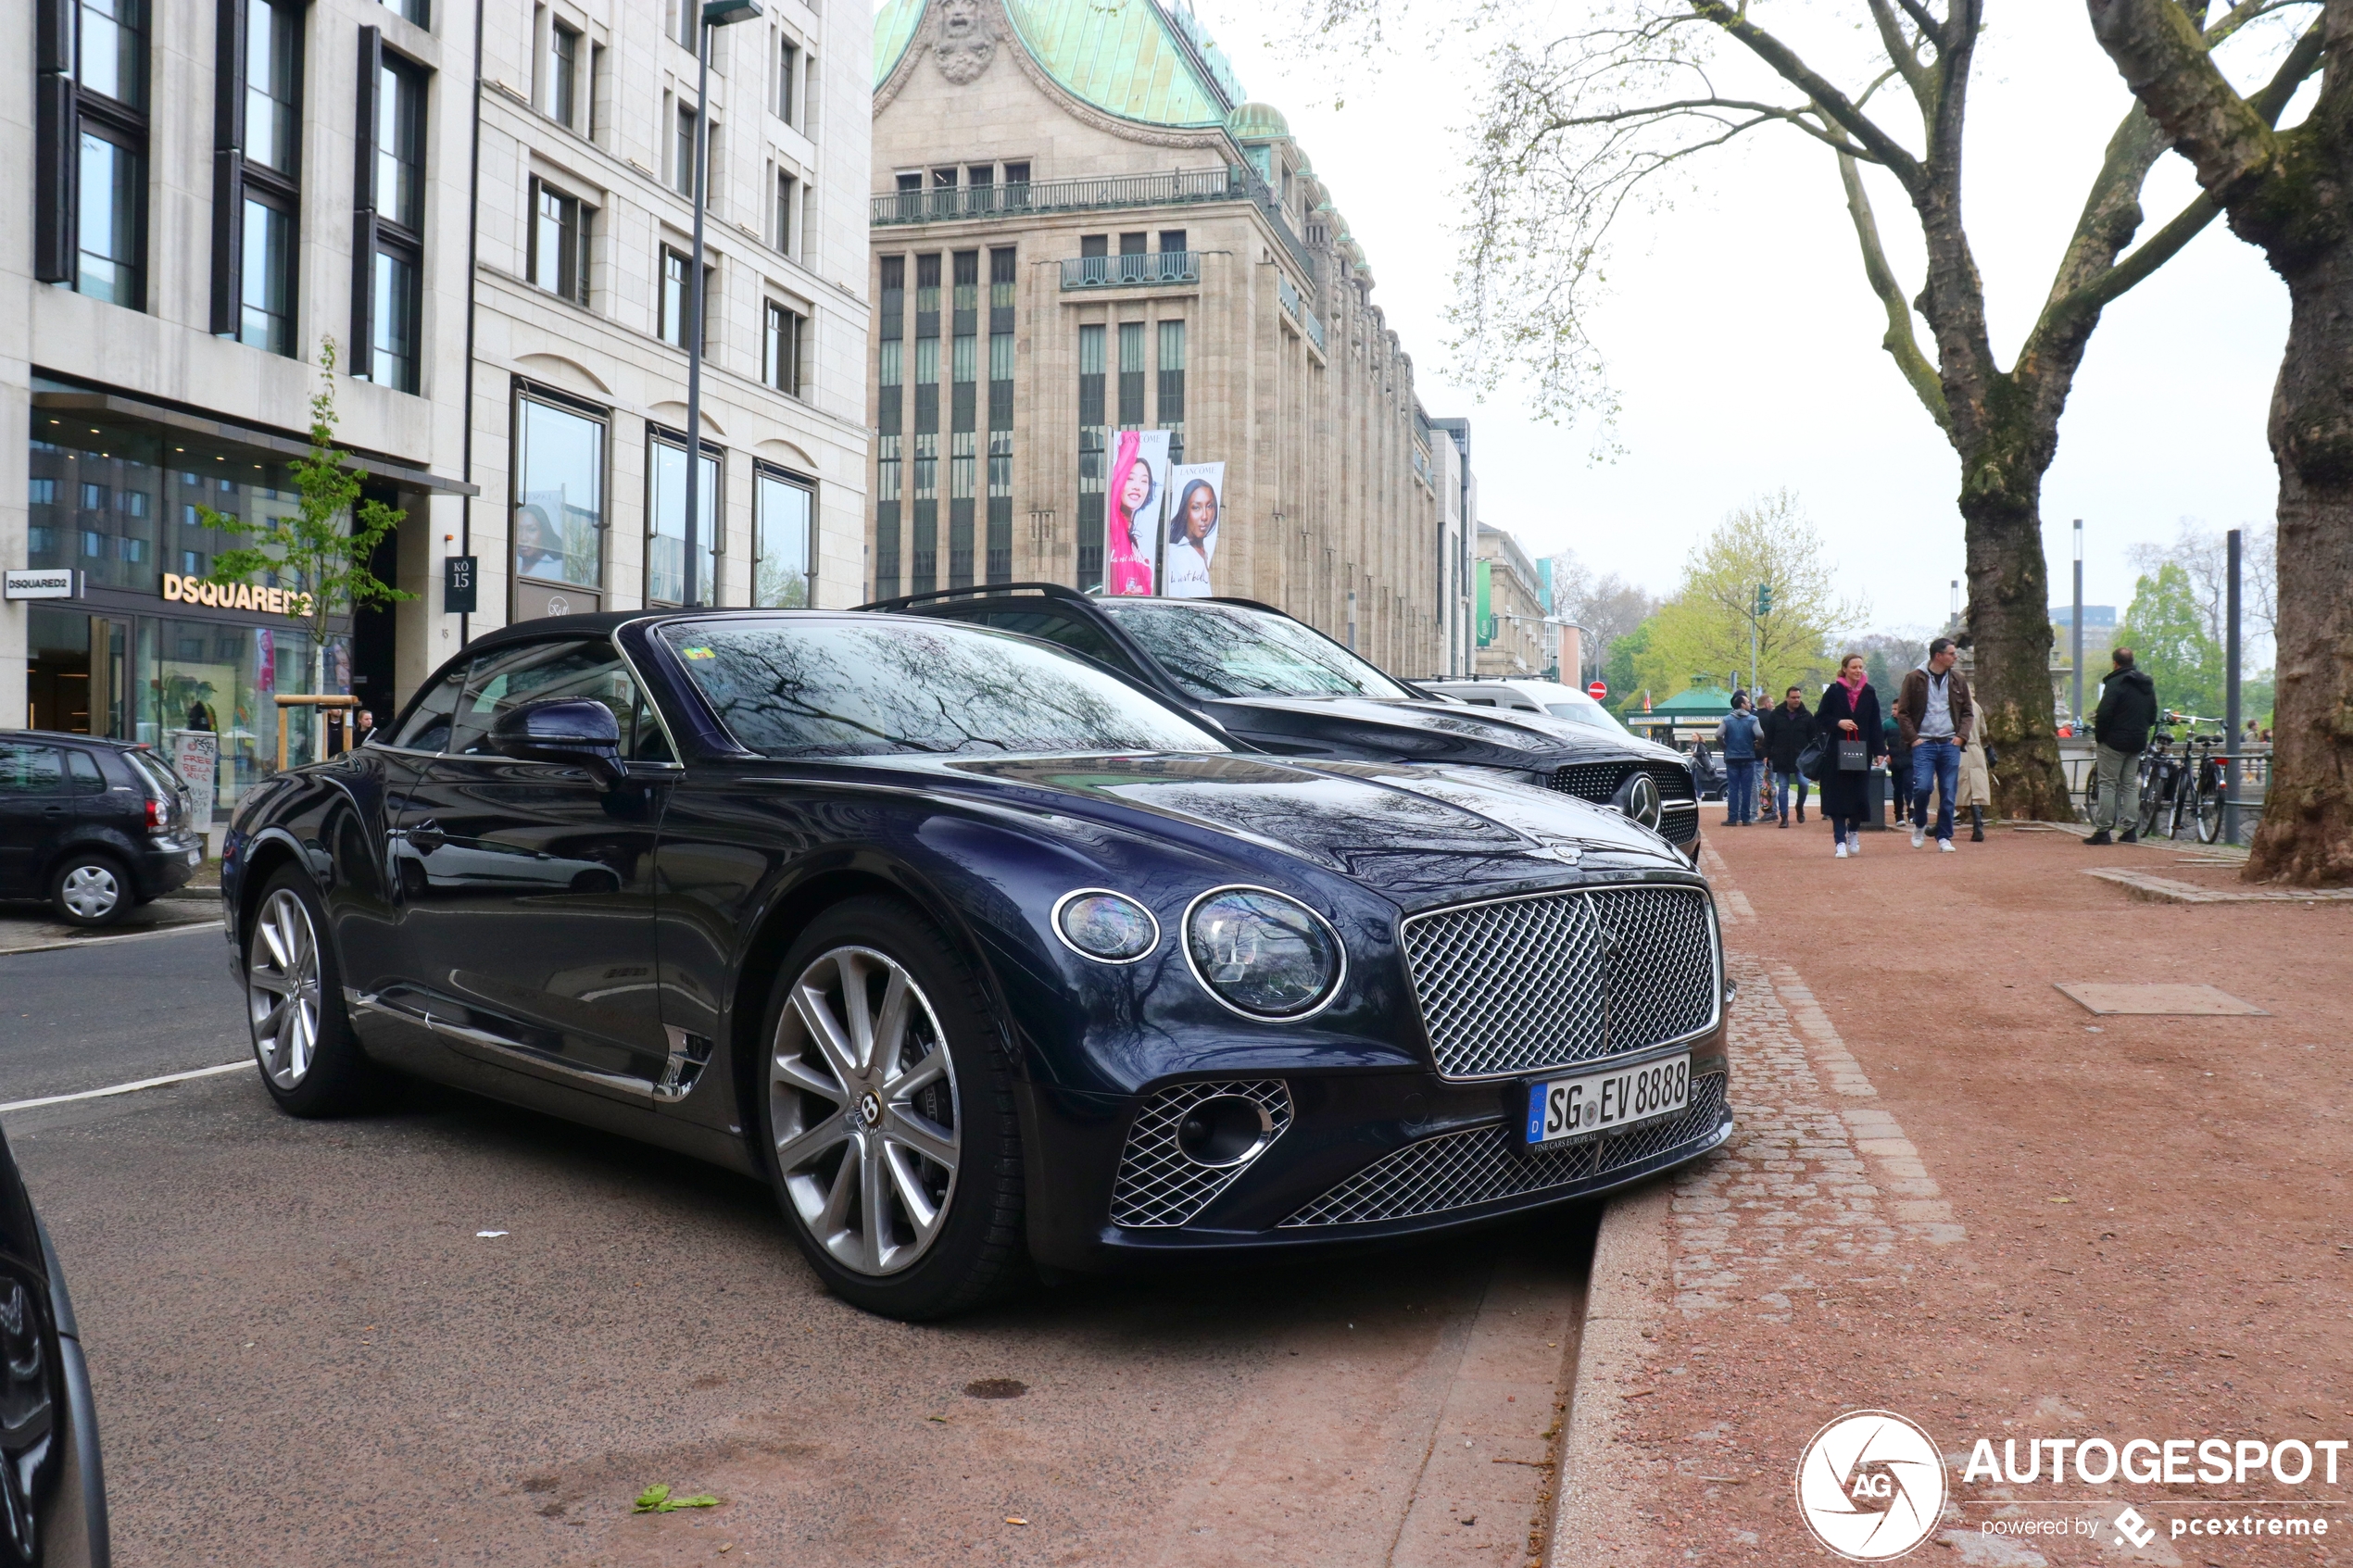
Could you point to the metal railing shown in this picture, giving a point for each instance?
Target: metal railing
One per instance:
(1175, 188)
(1131, 270)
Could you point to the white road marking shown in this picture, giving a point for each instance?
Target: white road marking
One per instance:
(102, 941)
(129, 1088)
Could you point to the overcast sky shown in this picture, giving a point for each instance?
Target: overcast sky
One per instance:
(1744, 343)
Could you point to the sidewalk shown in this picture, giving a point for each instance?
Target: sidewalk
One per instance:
(29, 926)
(1959, 1196)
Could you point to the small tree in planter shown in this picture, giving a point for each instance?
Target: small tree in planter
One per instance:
(325, 543)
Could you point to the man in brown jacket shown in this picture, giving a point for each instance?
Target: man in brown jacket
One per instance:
(1934, 713)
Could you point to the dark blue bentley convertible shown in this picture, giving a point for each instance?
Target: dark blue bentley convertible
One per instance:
(980, 955)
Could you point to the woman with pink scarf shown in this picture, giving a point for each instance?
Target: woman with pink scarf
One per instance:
(1128, 571)
(1849, 712)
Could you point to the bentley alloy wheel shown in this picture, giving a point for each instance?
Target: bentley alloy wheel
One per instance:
(282, 989)
(864, 1111)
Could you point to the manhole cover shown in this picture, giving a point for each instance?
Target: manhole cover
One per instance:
(2184, 1001)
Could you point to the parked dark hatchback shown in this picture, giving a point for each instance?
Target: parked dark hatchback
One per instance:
(1277, 684)
(976, 953)
(94, 826)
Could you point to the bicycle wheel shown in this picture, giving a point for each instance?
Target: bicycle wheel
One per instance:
(2091, 793)
(2153, 801)
(2209, 813)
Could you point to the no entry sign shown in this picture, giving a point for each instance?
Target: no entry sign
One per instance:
(1598, 690)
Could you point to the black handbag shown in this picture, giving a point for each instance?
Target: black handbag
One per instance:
(1809, 761)
(1853, 756)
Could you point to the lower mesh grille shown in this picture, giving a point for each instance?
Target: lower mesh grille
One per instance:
(1157, 1185)
(1485, 1164)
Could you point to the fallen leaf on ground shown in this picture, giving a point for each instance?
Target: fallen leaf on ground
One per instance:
(656, 1500)
(1014, 1519)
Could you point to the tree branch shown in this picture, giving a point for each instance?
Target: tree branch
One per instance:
(2163, 59)
(1834, 103)
(1903, 56)
(1930, 27)
(1901, 343)
(1759, 113)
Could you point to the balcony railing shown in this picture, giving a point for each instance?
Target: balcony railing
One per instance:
(1176, 188)
(1132, 271)
(1296, 308)
(1181, 187)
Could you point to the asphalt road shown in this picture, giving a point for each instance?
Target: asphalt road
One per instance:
(305, 1352)
(114, 1012)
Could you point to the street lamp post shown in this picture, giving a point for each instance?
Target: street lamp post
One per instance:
(714, 14)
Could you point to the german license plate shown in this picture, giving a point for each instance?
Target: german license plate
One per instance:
(1596, 1103)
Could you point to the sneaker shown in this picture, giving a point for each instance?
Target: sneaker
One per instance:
(2098, 838)
(1944, 846)
(1839, 853)
(1920, 836)
(1854, 844)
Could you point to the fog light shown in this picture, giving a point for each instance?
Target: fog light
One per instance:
(1224, 1130)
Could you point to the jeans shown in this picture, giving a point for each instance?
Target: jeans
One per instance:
(1782, 783)
(2120, 802)
(1740, 789)
(1935, 764)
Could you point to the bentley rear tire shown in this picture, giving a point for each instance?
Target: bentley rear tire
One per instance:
(886, 1115)
(311, 1061)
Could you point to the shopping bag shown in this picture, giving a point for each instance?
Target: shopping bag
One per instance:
(1853, 756)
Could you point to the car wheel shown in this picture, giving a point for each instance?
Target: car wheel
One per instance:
(311, 1060)
(90, 888)
(886, 1115)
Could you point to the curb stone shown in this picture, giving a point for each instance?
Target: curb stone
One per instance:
(1595, 1517)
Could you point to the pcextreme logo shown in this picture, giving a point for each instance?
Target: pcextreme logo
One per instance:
(1870, 1486)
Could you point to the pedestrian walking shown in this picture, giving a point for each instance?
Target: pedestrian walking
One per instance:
(1787, 729)
(2121, 728)
(1849, 712)
(1738, 734)
(1933, 713)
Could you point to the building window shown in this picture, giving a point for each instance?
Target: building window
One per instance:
(417, 11)
(666, 523)
(784, 572)
(560, 490)
(1090, 456)
(789, 82)
(560, 243)
(1000, 559)
(924, 534)
(1172, 387)
(682, 154)
(90, 147)
(780, 347)
(675, 308)
(256, 194)
(787, 195)
(1131, 375)
(388, 259)
(563, 74)
(890, 327)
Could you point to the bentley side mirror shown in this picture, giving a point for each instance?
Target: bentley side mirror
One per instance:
(574, 731)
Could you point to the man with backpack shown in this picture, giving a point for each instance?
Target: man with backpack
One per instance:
(2121, 732)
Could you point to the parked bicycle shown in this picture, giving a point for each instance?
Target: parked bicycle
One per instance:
(2183, 785)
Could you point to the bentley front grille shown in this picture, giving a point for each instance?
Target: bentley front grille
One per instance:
(1158, 1183)
(1520, 985)
(1488, 1165)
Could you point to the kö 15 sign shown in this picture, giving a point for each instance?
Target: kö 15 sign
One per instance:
(178, 589)
(458, 585)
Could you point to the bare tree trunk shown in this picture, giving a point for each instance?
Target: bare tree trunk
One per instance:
(2009, 626)
(2286, 193)
(2307, 834)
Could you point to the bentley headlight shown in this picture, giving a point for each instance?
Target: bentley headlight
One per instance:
(1106, 926)
(1261, 953)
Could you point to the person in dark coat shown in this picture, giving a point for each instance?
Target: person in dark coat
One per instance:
(2121, 732)
(1787, 729)
(1849, 711)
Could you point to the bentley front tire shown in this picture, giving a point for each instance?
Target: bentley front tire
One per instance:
(888, 1118)
(311, 1061)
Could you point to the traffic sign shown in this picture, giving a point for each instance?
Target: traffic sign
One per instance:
(1598, 690)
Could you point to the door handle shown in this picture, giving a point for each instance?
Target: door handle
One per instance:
(53, 811)
(425, 837)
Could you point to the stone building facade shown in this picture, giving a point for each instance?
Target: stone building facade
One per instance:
(1080, 226)
(1516, 633)
(192, 198)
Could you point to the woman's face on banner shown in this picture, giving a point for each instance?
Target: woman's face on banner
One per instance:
(1200, 513)
(1139, 488)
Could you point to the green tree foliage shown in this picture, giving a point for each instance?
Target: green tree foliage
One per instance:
(2168, 636)
(1620, 673)
(325, 543)
(1703, 629)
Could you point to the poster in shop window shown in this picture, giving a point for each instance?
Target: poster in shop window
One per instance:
(1194, 516)
(195, 755)
(1132, 512)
